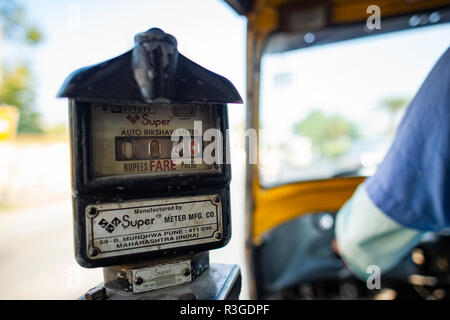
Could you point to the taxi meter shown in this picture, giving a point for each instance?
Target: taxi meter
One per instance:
(150, 176)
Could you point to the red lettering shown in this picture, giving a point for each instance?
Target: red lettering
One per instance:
(152, 164)
(146, 121)
(162, 165)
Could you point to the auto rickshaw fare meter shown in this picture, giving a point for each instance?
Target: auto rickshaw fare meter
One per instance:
(142, 187)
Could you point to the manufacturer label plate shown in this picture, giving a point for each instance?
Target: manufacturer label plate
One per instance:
(125, 228)
(162, 276)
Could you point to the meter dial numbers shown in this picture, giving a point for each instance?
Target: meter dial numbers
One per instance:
(152, 148)
(139, 148)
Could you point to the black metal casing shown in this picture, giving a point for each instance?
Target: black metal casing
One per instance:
(113, 82)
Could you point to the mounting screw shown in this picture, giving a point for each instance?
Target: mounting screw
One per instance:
(187, 271)
(97, 293)
(217, 199)
(139, 281)
(93, 211)
(93, 252)
(219, 235)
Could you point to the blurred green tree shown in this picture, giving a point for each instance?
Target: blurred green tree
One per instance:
(393, 106)
(16, 82)
(330, 134)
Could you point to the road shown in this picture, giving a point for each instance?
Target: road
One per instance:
(36, 254)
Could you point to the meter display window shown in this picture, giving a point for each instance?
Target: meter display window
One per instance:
(332, 110)
(137, 139)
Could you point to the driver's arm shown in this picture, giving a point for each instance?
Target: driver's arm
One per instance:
(409, 193)
(365, 236)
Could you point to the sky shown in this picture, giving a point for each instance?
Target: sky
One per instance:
(79, 33)
(350, 77)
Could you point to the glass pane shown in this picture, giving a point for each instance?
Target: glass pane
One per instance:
(332, 110)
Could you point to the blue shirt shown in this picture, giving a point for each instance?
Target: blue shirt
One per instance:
(412, 184)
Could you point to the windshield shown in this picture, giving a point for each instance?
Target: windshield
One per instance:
(332, 110)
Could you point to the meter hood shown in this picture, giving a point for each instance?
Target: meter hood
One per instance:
(152, 72)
